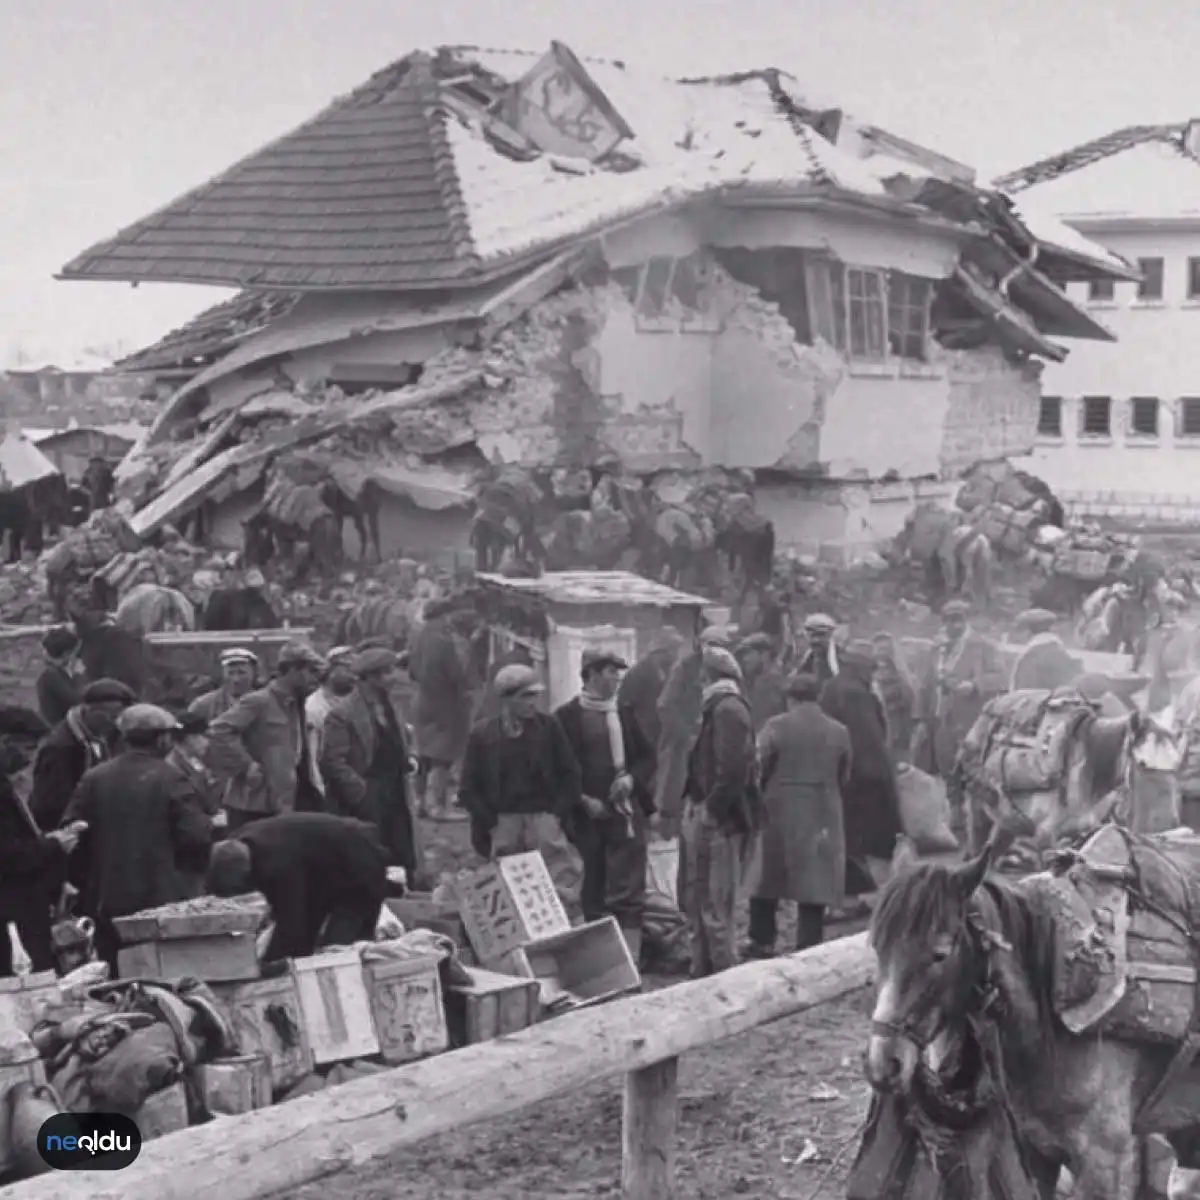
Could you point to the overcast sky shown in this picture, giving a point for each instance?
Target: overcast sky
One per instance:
(110, 108)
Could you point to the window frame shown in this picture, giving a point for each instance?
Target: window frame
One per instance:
(1143, 297)
(1085, 404)
(1057, 432)
(1134, 431)
(1186, 404)
(1192, 279)
(905, 307)
(1102, 291)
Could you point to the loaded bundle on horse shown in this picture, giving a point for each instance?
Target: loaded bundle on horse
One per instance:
(1049, 764)
(1024, 1027)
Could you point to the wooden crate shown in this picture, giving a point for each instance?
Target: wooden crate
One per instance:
(19, 1063)
(220, 958)
(335, 1005)
(407, 1007)
(490, 1006)
(418, 910)
(508, 903)
(266, 1019)
(235, 1085)
(164, 1112)
(585, 965)
(245, 914)
(25, 998)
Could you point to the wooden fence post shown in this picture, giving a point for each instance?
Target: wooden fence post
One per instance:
(649, 1119)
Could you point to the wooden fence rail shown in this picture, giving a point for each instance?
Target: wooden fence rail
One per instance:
(642, 1037)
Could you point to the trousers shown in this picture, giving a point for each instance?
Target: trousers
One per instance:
(709, 866)
(614, 869)
(519, 833)
(764, 923)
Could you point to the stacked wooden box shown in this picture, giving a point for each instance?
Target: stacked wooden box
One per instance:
(519, 929)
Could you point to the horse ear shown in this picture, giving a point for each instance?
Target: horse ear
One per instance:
(973, 872)
(906, 856)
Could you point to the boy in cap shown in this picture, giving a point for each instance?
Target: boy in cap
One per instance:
(616, 766)
(238, 669)
(260, 745)
(821, 659)
(145, 826)
(86, 737)
(57, 688)
(721, 813)
(366, 761)
(521, 783)
(339, 682)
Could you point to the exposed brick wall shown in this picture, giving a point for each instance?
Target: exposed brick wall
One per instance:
(993, 408)
(20, 666)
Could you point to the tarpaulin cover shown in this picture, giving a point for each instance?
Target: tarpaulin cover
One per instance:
(21, 462)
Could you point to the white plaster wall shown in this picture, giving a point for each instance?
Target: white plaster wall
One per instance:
(670, 235)
(1157, 354)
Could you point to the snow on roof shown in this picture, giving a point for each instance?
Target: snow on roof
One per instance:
(21, 462)
(1149, 180)
(596, 587)
(1053, 232)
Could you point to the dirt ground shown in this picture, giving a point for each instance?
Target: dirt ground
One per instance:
(773, 1113)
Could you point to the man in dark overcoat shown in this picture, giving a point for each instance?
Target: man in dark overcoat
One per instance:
(871, 801)
(643, 683)
(765, 688)
(804, 761)
(366, 762)
(58, 689)
(616, 767)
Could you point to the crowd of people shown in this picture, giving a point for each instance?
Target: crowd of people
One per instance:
(776, 769)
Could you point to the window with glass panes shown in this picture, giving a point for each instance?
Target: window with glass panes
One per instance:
(908, 315)
(1097, 416)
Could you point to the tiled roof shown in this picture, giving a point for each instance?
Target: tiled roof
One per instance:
(387, 189)
(212, 334)
(1153, 179)
(363, 195)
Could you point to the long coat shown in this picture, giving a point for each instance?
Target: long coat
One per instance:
(264, 727)
(805, 759)
(767, 696)
(871, 801)
(443, 710)
(347, 750)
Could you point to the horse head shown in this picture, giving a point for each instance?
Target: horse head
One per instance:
(929, 955)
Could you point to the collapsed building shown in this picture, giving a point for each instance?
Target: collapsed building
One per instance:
(481, 260)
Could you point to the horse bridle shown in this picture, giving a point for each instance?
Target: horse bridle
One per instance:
(983, 992)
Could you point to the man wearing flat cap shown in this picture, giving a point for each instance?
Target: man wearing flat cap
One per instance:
(86, 737)
(340, 681)
(643, 683)
(260, 745)
(521, 785)
(58, 688)
(616, 767)
(821, 659)
(965, 673)
(764, 684)
(238, 670)
(721, 814)
(366, 761)
(1044, 663)
(145, 826)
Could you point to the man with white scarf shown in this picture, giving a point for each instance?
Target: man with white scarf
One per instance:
(721, 816)
(617, 768)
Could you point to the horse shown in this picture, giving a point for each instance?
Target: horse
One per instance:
(957, 557)
(153, 608)
(964, 977)
(363, 512)
(1068, 770)
(292, 514)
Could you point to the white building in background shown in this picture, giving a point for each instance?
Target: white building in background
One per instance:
(1119, 428)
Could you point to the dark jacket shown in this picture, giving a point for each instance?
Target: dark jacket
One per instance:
(58, 767)
(767, 696)
(871, 800)
(639, 755)
(306, 864)
(723, 765)
(443, 709)
(143, 817)
(640, 690)
(57, 693)
(547, 757)
(264, 727)
(30, 863)
(347, 749)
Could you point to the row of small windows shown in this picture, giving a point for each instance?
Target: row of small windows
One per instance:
(1096, 416)
(1151, 286)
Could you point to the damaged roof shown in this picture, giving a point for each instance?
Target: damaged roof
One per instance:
(419, 178)
(595, 587)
